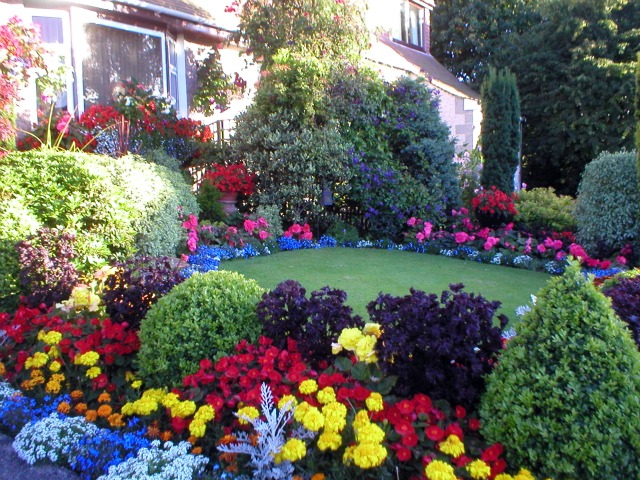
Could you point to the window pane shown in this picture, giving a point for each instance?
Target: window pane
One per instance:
(116, 55)
(52, 34)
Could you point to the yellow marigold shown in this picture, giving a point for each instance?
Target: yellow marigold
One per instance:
(76, 394)
(479, 470)
(365, 349)
(335, 416)
(307, 387)
(36, 374)
(93, 372)
(313, 420)
(204, 414)
(300, 411)
(524, 474)
(329, 440)
(64, 407)
(369, 455)
(157, 394)
(54, 352)
(91, 415)
(374, 402)
(361, 419)
(27, 385)
(104, 411)
(293, 450)
(197, 428)
(372, 329)
(55, 366)
(170, 400)
(53, 387)
(129, 376)
(58, 377)
(247, 412)
(104, 397)
(503, 476)
(39, 359)
(326, 395)
(115, 420)
(136, 384)
(51, 338)
(347, 457)
(452, 445)
(349, 338)
(287, 399)
(80, 408)
(88, 359)
(370, 433)
(439, 470)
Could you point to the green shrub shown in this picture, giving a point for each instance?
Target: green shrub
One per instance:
(541, 209)
(343, 232)
(565, 396)
(203, 317)
(271, 213)
(208, 198)
(607, 205)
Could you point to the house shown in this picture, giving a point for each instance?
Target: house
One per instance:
(158, 42)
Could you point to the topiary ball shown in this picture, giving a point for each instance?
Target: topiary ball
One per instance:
(564, 398)
(206, 316)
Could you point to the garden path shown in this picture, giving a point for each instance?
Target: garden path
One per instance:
(13, 468)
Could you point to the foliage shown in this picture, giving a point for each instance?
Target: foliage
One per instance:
(328, 29)
(343, 232)
(136, 284)
(469, 167)
(625, 300)
(500, 133)
(215, 87)
(541, 209)
(203, 317)
(271, 214)
(208, 197)
(606, 209)
(47, 273)
(314, 323)
(422, 334)
(565, 394)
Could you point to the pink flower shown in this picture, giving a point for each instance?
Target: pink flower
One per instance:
(491, 242)
(249, 225)
(461, 237)
(287, 234)
(464, 211)
(306, 236)
(412, 221)
(192, 244)
(527, 246)
(508, 227)
(557, 244)
(541, 248)
(295, 229)
(191, 222)
(263, 235)
(605, 264)
(483, 233)
(427, 229)
(262, 223)
(467, 223)
(420, 237)
(63, 124)
(184, 258)
(577, 251)
(621, 260)
(560, 255)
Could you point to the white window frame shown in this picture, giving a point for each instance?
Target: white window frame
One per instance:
(405, 29)
(79, 36)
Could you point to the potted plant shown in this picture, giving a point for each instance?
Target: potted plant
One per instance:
(230, 180)
(493, 208)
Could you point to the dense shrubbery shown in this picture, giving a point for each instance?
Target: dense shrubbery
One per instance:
(540, 209)
(625, 300)
(607, 204)
(314, 322)
(203, 317)
(440, 346)
(565, 396)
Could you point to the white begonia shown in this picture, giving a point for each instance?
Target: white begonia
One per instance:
(51, 438)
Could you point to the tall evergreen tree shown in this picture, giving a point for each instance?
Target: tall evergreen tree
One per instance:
(500, 135)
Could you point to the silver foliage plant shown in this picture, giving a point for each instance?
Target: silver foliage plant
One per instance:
(271, 439)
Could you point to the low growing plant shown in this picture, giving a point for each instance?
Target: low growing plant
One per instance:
(625, 300)
(541, 209)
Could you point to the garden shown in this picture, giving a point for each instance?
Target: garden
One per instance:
(131, 347)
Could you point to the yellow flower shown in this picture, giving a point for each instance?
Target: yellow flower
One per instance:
(300, 411)
(374, 402)
(370, 433)
(293, 450)
(54, 352)
(157, 394)
(87, 359)
(247, 412)
(365, 349)
(39, 359)
(369, 455)
(93, 372)
(183, 409)
(335, 416)
(83, 297)
(54, 366)
(52, 386)
(479, 470)
(143, 406)
(452, 445)
(361, 419)
(129, 376)
(313, 420)
(170, 400)
(3, 370)
(503, 476)
(287, 399)
(37, 374)
(136, 384)
(307, 387)
(326, 395)
(347, 457)
(204, 414)
(51, 338)
(58, 377)
(329, 440)
(349, 338)
(524, 474)
(439, 470)
(197, 429)
(372, 329)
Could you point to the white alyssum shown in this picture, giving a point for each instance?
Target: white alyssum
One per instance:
(51, 438)
(7, 391)
(172, 462)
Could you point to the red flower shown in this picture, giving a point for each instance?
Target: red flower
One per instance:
(405, 406)
(410, 439)
(461, 412)
(492, 453)
(434, 433)
(232, 178)
(403, 453)
(474, 424)
(404, 427)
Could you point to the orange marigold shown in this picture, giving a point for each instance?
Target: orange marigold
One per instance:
(192, 439)
(196, 450)
(80, 408)
(104, 397)
(166, 436)
(115, 420)
(153, 431)
(318, 476)
(104, 411)
(91, 415)
(64, 407)
(76, 394)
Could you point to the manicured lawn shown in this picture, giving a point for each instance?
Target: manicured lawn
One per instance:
(363, 273)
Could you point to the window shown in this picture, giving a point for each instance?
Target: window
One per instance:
(411, 23)
(116, 53)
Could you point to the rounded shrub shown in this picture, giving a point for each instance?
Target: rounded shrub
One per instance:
(203, 317)
(541, 209)
(607, 204)
(565, 395)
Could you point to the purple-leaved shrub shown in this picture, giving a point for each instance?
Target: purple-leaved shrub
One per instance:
(625, 300)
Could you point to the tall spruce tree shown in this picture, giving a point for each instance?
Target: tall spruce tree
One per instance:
(500, 135)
